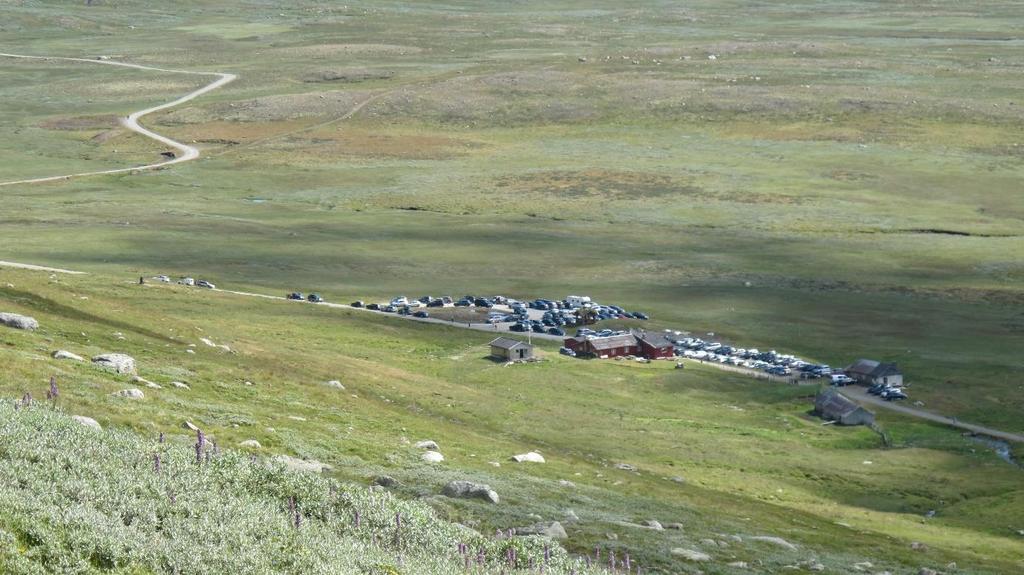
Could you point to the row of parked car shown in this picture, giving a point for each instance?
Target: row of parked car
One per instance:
(186, 281)
(312, 298)
(887, 392)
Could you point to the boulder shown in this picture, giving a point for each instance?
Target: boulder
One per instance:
(531, 457)
(427, 444)
(119, 362)
(468, 490)
(251, 444)
(180, 385)
(189, 426)
(739, 564)
(18, 321)
(432, 457)
(566, 483)
(676, 526)
(625, 467)
(654, 524)
(335, 384)
(62, 354)
(691, 554)
(87, 421)
(816, 567)
(130, 393)
(918, 546)
(863, 566)
(304, 465)
(779, 541)
(552, 529)
(570, 515)
(149, 384)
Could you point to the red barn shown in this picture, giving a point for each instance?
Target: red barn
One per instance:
(655, 346)
(611, 346)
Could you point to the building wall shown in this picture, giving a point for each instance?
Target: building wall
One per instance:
(892, 379)
(859, 416)
(499, 352)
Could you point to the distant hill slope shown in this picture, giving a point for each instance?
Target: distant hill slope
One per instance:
(77, 499)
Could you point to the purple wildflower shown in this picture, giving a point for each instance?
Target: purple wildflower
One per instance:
(356, 519)
(199, 454)
(156, 462)
(547, 554)
(53, 392)
(161, 437)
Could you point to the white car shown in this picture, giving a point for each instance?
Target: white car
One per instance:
(187, 281)
(400, 300)
(164, 279)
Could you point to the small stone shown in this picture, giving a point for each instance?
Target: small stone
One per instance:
(385, 481)
(469, 490)
(611, 536)
(335, 384)
(432, 457)
(307, 466)
(951, 566)
(87, 421)
(918, 546)
(739, 564)
(566, 483)
(863, 566)
(708, 543)
(180, 385)
(62, 354)
(189, 426)
(927, 571)
(775, 541)
(427, 444)
(677, 479)
(131, 393)
(654, 524)
(675, 526)
(570, 515)
(251, 444)
(816, 567)
(625, 467)
(691, 554)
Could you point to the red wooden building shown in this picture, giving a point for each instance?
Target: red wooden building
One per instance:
(638, 343)
(655, 346)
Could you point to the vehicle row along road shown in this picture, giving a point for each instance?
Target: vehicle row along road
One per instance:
(185, 152)
(854, 392)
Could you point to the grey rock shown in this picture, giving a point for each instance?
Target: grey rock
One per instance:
(131, 393)
(708, 543)
(570, 515)
(189, 426)
(427, 444)
(468, 490)
(432, 457)
(552, 529)
(779, 541)
(691, 554)
(251, 444)
(654, 524)
(335, 384)
(918, 546)
(625, 467)
(64, 354)
(566, 483)
(18, 321)
(676, 526)
(119, 362)
(739, 564)
(927, 571)
(531, 457)
(87, 421)
(180, 385)
(817, 567)
(677, 479)
(863, 566)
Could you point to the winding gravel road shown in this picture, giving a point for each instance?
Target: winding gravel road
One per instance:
(185, 152)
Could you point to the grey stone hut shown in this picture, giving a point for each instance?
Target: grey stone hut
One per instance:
(834, 406)
(871, 372)
(509, 349)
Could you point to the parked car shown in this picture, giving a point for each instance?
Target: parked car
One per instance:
(357, 303)
(391, 308)
(373, 307)
(841, 380)
(519, 327)
(400, 300)
(315, 298)
(425, 299)
(435, 303)
(164, 279)
(187, 281)
(404, 310)
(566, 351)
(205, 284)
(556, 331)
(296, 296)
(421, 314)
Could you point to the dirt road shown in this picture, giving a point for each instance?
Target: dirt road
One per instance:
(860, 394)
(4, 264)
(185, 152)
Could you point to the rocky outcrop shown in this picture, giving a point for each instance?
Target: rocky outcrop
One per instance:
(468, 490)
(119, 362)
(18, 321)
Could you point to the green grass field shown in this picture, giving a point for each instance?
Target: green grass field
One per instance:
(840, 180)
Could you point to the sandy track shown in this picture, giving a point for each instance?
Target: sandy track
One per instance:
(4, 264)
(185, 152)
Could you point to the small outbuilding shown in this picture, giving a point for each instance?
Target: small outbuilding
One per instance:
(872, 372)
(834, 406)
(508, 349)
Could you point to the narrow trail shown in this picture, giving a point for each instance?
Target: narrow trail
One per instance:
(186, 152)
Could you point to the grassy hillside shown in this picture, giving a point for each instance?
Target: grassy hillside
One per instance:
(749, 459)
(80, 500)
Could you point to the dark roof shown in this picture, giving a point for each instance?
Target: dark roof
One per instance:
(831, 403)
(872, 368)
(656, 340)
(508, 343)
(613, 342)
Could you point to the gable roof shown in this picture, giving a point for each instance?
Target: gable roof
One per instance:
(613, 341)
(872, 368)
(508, 343)
(831, 403)
(656, 340)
